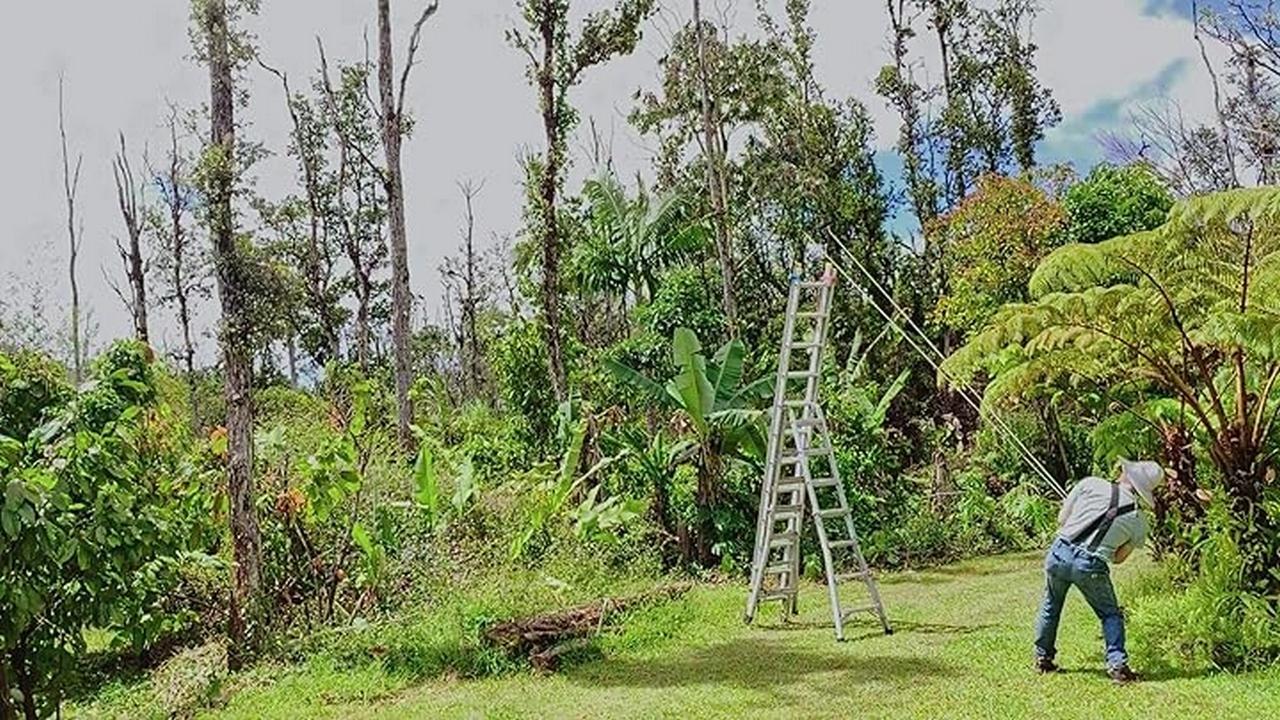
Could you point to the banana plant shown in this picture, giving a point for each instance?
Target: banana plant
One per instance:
(629, 241)
(709, 394)
(558, 483)
(721, 414)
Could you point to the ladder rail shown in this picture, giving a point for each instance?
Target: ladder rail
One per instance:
(764, 529)
(851, 533)
(828, 562)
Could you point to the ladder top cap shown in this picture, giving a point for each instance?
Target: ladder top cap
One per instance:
(827, 278)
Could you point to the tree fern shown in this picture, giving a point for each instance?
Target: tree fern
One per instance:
(1189, 311)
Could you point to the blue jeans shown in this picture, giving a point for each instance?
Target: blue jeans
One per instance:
(1068, 565)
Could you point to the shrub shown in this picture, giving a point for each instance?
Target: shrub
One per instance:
(1211, 621)
(687, 297)
(97, 511)
(519, 362)
(31, 387)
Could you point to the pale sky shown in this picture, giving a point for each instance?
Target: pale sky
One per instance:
(124, 60)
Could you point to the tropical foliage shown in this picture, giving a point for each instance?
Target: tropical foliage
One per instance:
(1177, 328)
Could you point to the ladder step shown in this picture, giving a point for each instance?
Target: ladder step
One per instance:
(785, 484)
(808, 423)
(825, 482)
(853, 576)
(860, 609)
(794, 458)
(787, 512)
(801, 375)
(810, 284)
(783, 540)
(816, 315)
(797, 403)
(831, 513)
(777, 568)
(838, 544)
(779, 594)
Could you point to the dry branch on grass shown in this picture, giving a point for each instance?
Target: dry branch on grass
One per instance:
(545, 637)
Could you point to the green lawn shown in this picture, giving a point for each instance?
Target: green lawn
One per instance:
(961, 650)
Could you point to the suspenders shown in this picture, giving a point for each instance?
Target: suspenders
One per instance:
(1099, 527)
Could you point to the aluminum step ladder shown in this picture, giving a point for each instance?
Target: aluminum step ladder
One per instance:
(801, 471)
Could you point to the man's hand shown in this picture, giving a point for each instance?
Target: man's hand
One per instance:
(1122, 553)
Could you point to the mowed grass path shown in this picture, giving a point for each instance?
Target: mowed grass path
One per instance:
(961, 650)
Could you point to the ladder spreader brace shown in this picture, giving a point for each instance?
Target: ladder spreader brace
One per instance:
(801, 469)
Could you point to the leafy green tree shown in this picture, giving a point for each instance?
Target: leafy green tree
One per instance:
(991, 243)
(556, 63)
(357, 215)
(302, 227)
(709, 90)
(807, 165)
(1114, 201)
(1186, 315)
(97, 510)
(811, 171)
(987, 113)
(718, 411)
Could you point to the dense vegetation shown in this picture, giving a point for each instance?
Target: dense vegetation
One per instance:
(347, 487)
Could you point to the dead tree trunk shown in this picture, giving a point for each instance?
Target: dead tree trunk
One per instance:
(70, 184)
(717, 186)
(471, 299)
(552, 163)
(237, 355)
(392, 133)
(128, 196)
(179, 275)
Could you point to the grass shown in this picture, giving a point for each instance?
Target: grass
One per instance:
(961, 650)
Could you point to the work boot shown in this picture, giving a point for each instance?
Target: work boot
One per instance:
(1045, 665)
(1122, 675)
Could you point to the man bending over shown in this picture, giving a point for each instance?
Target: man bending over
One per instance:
(1099, 524)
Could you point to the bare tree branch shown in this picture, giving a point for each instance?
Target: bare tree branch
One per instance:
(70, 186)
(1217, 93)
(415, 38)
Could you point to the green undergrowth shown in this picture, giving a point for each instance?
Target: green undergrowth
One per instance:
(961, 649)
(369, 659)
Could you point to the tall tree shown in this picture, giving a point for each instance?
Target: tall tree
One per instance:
(713, 148)
(70, 185)
(556, 62)
(180, 266)
(989, 110)
(129, 198)
(315, 253)
(393, 129)
(360, 209)
(232, 260)
(897, 84)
